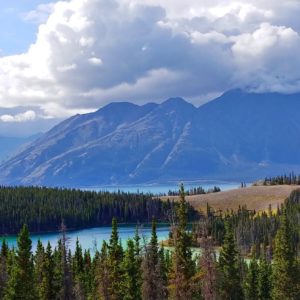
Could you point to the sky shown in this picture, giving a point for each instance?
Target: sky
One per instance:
(60, 58)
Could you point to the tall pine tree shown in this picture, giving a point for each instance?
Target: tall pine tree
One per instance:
(183, 268)
(115, 254)
(21, 284)
(285, 275)
(230, 281)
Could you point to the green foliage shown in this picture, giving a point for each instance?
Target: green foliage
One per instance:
(230, 280)
(43, 209)
(20, 284)
(285, 267)
(115, 257)
(132, 273)
(150, 272)
(251, 282)
(152, 287)
(183, 266)
(264, 280)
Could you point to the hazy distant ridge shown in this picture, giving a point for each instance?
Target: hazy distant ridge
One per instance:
(237, 136)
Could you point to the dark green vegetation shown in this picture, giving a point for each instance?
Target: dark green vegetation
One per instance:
(147, 271)
(283, 179)
(196, 191)
(43, 209)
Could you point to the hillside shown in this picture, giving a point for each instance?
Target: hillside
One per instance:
(238, 136)
(254, 198)
(10, 145)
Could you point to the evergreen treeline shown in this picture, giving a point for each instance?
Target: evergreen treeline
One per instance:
(147, 271)
(253, 231)
(196, 191)
(43, 209)
(290, 179)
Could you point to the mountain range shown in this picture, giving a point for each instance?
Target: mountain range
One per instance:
(238, 136)
(10, 145)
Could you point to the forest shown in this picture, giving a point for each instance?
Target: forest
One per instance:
(226, 256)
(290, 179)
(43, 209)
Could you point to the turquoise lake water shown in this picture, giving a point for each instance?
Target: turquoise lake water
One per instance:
(160, 189)
(93, 238)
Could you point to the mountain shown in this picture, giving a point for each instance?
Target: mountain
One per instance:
(10, 145)
(238, 136)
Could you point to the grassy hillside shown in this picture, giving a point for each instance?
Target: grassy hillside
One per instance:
(254, 197)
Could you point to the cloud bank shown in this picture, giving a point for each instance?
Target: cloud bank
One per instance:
(29, 115)
(91, 52)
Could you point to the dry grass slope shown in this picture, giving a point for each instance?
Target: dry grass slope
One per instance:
(254, 197)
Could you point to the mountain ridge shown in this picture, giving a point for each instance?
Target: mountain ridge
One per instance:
(238, 136)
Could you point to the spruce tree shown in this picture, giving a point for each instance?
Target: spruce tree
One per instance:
(230, 281)
(88, 274)
(3, 268)
(57, 270)
(264, 280)
(152, 288)
(39, 260)
(251, 282)
(46, 288)
(103, 281)
(285, 275)
(115, 263)
(78, 272)
(183, 268)
(207, 263)
(138, 262)
(132, 274)
(164, 270)
(21, 284)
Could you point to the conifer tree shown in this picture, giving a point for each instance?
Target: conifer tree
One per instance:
(131, 274)
(57, 270)
(285, 275)
(21, 284)
(264, 280)
(78, 272)
(183, 268)
(39, 260)
(138, 261)
(251, 282)
(152, 288)
(103, 273)
(46, 288)
(230, 281)
(66, 291)
(88, 274)
(3, 268)
(208, 269)
(164, 270)
(115, 262)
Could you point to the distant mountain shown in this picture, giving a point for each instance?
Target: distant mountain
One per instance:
(10, 145)
(238, 136)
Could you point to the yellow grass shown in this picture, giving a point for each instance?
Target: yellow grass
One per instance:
(255, 198)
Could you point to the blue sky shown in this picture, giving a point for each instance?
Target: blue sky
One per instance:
(74, 56)
(16, 33)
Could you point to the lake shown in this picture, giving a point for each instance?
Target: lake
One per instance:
(92, 238)
(157, 189)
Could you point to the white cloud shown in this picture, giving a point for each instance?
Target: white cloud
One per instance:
(90, 52)
(95, 61)
(40, 14)
(29, 115)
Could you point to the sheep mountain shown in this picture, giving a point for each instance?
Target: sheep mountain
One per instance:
(238, 136)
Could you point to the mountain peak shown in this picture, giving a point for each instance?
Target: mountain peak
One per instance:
(176, 102)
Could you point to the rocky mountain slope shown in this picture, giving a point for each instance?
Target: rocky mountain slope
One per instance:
(238, 136)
